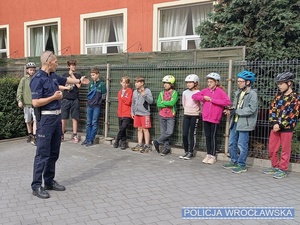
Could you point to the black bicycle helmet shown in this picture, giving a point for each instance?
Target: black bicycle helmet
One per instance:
(284, 77)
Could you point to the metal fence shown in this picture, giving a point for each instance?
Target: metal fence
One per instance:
(154, 72)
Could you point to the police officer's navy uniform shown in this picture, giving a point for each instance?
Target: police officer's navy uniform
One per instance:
(48, 127)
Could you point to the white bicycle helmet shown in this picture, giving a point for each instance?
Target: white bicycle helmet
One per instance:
(214, 76)
(192, 78)
(169, 79)
(30, 65)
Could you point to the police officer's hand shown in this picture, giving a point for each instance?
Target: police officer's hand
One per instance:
(58, 95)
(84, 80)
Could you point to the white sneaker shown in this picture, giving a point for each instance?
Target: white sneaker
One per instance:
(212, 160)
(205, 159)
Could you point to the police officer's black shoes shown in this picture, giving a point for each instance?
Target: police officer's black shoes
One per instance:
(41, 193)
(55, 186)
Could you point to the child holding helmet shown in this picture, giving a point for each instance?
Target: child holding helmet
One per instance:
(214, 100)
(191, 111)
(284, 113)
(166, 104)
(243, 117)
(25, 102)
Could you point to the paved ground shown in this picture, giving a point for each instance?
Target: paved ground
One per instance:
(110, 186)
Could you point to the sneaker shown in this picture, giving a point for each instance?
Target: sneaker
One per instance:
(280, 174)
(271, 170)
(29, 138)
(156, 145)
(188, 156)
(89, 143)
(239, 169)
(138, 147)
(212, 160)
(62, 137)
(33, 141)
(123, 145)
(75, 139)
(206, 159)
(166, 151)
(116, 144)
(229, 165)
(182, 156)
(146, 149)
(84, 142)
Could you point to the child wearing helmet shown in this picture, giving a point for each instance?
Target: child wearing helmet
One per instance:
(243, 117)
(25, 102)
(166, 104)
(191, 111)
(284, 113)
(214, 99)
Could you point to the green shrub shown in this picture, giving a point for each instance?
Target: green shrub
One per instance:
(11, 117)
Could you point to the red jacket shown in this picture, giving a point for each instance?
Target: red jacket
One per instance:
(124, 106)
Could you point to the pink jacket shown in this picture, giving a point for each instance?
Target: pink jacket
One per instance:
(212, 110)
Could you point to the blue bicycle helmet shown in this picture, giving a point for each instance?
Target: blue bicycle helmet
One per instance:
(247, 75)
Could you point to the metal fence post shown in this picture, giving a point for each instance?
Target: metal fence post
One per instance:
(228, 116)
(107, 101)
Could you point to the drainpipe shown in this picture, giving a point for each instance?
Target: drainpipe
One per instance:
(230, 80)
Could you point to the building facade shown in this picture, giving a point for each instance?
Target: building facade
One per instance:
(27, 28)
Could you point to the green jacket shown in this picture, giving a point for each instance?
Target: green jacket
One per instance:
(164, 104)
(24, 92)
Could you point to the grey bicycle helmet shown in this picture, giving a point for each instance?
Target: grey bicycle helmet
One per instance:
(284, 77)
(30, 65)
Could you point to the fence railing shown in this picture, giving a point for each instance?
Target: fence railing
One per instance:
(154, 72)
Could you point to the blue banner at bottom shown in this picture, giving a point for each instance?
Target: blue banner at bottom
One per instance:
(238, 213)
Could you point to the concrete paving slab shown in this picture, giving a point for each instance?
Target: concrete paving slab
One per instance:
(110, 186)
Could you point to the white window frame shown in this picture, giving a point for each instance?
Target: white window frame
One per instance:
(85, 17)
(6, 50)
(156, 41)
(40, 23)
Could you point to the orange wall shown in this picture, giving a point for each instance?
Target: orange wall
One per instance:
(15, 12)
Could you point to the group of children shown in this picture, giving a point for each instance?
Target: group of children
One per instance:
(210, 103)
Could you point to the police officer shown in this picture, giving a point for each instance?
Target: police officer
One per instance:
(46, 98)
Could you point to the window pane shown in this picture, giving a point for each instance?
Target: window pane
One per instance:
(192, 45)
(36, 41)
(3, 38)
(3, 55)
(43, 38)
(112, 49)
(105, 30)
(171, 46)
(94, 51)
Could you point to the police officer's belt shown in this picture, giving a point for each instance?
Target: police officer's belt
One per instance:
(51, 112)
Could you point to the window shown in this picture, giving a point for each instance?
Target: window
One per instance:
(104, 32)
(42, 35)
(3, 42)
(177, 26)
